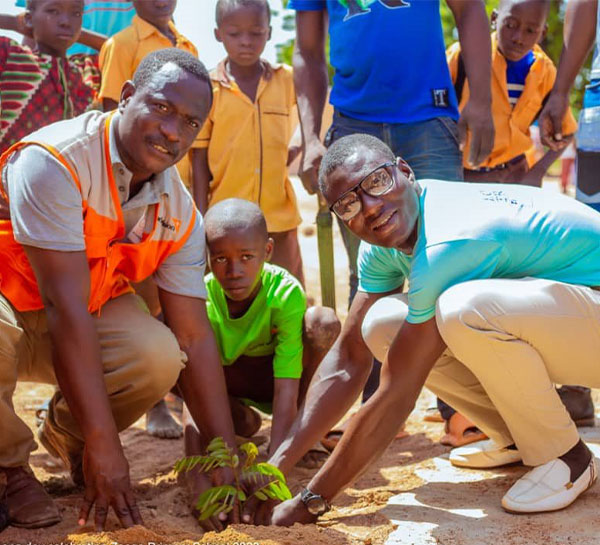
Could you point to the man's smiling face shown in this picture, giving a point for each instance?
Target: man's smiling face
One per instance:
(161, 120)
(388, 220)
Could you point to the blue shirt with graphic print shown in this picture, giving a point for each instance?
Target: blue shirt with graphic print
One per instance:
(389, 59)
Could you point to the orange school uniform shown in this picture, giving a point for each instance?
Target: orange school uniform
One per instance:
(512, 124)
(248, 144)
(122, 53)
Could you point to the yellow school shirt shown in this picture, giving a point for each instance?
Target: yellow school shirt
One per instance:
(122, 53)
(248, 143)
(512, 124)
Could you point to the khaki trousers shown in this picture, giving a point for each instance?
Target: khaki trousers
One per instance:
(140, 356)
(508, 341)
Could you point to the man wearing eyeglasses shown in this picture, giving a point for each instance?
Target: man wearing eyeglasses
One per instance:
(499, 308)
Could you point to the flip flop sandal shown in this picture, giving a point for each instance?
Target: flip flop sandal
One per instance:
(461, 431)
(332, 437)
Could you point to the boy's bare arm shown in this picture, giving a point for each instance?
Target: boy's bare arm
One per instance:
(15, 23)
(311, 81)
(285, 408)
(475, 43)
(201, 177)
(335, 386)
(92, 39)
(202, 381)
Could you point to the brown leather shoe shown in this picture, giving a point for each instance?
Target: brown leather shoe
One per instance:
(72, 460)
(29, 505)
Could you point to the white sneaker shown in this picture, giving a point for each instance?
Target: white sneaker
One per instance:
(483, 455)
(548, 488)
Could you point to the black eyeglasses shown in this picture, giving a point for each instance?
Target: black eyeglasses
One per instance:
(376, 183)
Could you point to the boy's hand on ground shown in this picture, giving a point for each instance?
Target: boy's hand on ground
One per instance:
(107, 485)
(309, 165)
(290, 512)
(550, 121)
(478, 120)
(258, 512)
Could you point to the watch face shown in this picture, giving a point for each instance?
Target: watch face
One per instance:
(316, 506)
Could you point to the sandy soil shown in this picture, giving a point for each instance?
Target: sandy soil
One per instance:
(411, 496)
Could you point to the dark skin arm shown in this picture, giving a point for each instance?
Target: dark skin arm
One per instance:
(475, 43)
(335, 386)
(16, 23)
(201, 178)
(202, 381)
(412, 355)
(579, 31)
(311, 81)
(285, 408)
(63, 280)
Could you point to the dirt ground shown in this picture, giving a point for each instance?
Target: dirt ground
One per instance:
(412, 496)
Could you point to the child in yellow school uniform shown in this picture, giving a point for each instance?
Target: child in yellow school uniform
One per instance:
(522, 77)
(245, 138)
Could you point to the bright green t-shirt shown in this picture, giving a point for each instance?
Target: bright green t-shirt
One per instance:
(272, 324)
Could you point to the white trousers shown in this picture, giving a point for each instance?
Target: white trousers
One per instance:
(508, 342)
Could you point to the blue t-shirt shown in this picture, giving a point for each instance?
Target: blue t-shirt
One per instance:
(475, 231)
(516, 74)
(389, 59)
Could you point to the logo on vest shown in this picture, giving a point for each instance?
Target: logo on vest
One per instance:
(172, 224)
(361, 7)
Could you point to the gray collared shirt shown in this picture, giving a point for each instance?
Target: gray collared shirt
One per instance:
(46, 213)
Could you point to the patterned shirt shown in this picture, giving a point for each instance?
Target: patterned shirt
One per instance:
(32, 89)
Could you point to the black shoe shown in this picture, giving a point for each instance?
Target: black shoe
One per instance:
(579, 404)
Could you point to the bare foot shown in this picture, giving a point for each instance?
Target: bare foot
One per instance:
(160, 423)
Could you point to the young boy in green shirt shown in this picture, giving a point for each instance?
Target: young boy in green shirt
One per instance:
(269, 342)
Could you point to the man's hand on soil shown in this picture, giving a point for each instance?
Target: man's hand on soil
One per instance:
(309, 165)
(290, 512)
(107, 485)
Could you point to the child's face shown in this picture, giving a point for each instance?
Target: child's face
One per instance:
(156, 12)
(56, 24)
(520, 24)
(236, 259)
(244, 32)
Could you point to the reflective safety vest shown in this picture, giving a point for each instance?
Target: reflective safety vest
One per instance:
(82, 147)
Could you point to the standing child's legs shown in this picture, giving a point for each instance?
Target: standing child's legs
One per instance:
(286, 253)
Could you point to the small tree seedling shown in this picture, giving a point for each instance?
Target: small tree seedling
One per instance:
(266, 480)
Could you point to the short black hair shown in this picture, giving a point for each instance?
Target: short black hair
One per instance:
(30, 5)
(155, 60)
(341, 150)
(234, 214)
(226, 6)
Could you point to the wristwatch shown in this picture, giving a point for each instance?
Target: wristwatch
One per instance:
(315, 504)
